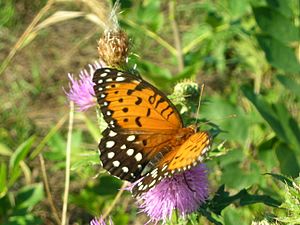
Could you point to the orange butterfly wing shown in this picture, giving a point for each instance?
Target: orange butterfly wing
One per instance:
(132, 103)
(180, 158)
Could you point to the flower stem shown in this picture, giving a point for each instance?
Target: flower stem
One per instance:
(68, 165)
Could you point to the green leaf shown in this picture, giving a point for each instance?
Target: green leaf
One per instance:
(187, 72)
(278, 54)
(266, 153)
(281, 6)
(3, 175)
(290, 84)
(149, 14)
(234, 216)
(278, 117)
(276, 25)
(108, 185)
(18, 156)
(222, 199)
(4, 150)
(160, 76)
(24, 219)
(234, 177)
(237, 8)
(288, 161)
(282, 178)
(29, 196)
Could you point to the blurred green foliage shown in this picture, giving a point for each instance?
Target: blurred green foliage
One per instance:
(247, 54)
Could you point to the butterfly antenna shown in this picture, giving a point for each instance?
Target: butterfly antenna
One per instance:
(199, 104)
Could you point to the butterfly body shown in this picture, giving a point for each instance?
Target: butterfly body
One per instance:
(145, 137)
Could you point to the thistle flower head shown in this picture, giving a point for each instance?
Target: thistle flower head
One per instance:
(100, 221)
(81, 90)
(183, 192)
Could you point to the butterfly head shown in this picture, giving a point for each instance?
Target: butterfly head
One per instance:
(194, 127)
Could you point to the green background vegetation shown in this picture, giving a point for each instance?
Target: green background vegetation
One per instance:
(245, 52)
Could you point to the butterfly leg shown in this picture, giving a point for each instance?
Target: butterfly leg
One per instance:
(187, 183)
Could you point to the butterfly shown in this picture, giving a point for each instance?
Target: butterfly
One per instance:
(145, 140)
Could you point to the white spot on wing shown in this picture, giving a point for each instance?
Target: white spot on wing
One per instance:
(110, 155)
(125, 169)
(131, 138)
(109, 80)
(152, 183)
(109, 144)
(164, 167)
(116, 163)
(154, 175)
(119, 74)
(103, 75)
(130, 152)
(154, 171)
(112, 133)
(100, 81)
(108, 113)
(120, 78)
(123, 147)
(138, 157)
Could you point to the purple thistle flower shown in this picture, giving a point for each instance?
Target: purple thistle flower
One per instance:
(81, 90)
(183, 192)
(100, 221)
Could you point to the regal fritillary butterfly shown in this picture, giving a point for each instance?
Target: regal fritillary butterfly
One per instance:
(145, 137)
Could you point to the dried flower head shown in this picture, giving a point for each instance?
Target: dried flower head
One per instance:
(183, 192)
(113, 46)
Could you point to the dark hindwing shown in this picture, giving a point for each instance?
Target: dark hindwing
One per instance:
(121, 154)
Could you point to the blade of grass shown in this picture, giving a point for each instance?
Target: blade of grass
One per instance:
(24, 36)
(47, 188)
(42, 144)
(176, 35)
